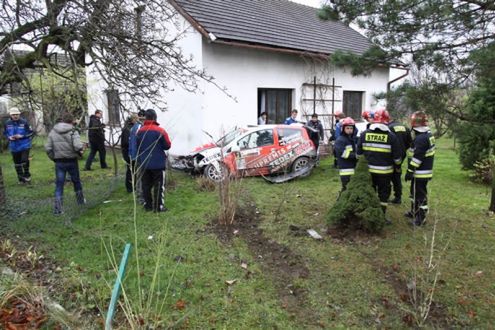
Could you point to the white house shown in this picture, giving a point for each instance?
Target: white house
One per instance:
(271, 56)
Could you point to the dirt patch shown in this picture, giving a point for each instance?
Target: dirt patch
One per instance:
(25, 259)
(349, 235)
(438, 314)
(277, 261)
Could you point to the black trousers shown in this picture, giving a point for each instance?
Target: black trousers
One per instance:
(381, 184)
(128, 172)
(21, 163)
(153, 181)
(94, 148)
(345, 179)
(419, 199)
(397, 182)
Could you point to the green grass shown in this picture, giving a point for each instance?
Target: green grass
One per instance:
(346, 286)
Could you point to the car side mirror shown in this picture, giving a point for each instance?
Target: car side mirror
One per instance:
(235, 148)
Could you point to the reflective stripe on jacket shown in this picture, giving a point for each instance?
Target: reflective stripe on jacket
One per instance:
(381, 149)
(18, 127)
(345, 150)
(423, 154)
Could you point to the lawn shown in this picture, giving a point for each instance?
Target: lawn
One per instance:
(186, 272)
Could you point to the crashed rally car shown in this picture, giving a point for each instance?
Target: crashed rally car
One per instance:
(259, 150)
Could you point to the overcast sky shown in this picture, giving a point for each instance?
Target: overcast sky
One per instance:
(317, 4)
(312, 3)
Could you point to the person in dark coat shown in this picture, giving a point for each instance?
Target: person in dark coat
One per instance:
(19, 134)
(317, 133)
(153, 141)
(382, 150)
(420, 167)
(124, 147)
(96, 136)
(345, 149)
(404, 136)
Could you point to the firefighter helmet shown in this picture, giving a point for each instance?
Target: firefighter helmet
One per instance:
(368, 115)
(381, 116)
(347, 121)
(418, 119)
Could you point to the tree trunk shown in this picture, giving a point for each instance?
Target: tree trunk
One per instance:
(492, 202)
(3, 198)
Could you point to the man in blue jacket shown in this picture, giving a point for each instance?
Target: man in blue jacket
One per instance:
(19, 133)
(152, 141)
(136, 170)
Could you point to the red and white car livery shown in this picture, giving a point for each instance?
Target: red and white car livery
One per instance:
(252, 151)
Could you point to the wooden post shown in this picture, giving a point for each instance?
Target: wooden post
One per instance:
(314, 95)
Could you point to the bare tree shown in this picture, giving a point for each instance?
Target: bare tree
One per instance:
(132, 44)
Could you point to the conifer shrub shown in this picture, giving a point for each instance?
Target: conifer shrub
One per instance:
(358, 207)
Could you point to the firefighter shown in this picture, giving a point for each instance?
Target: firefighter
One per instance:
(382, 150)
(404, 136)
(339, 115)
(368, 117)
(420, 167)
(345, 149)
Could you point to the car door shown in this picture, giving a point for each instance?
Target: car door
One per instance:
(255, 149)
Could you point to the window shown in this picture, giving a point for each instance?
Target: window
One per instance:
(257, 139)
(277, 103)
(113, 103)
(286, 135)
(353, 104)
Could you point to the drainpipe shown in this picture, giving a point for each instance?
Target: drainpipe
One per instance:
(389, 84)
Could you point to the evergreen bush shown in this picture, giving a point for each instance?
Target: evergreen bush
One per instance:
(483, 170)
(477, 134)
(358, 207)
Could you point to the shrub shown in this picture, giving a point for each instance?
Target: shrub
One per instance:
(358, 207)
(483, 170)
(477, 133)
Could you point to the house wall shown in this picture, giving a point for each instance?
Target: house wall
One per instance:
(244, 70)
(183, 116)
(195, 118)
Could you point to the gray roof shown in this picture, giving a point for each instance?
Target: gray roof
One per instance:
(275, 23)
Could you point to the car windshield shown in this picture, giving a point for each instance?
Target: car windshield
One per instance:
(229, 137)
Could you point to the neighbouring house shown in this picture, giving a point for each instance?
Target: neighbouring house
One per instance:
(36, 99)
(270, 55)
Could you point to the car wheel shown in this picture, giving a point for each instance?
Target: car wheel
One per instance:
(299, 164)
(214, 174)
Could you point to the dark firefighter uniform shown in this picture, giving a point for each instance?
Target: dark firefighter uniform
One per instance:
(345, 151)
(381, 149)
(420, 171)
(404, 136)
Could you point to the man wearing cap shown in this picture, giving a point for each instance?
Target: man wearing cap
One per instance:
(152, 141)
(19, 133)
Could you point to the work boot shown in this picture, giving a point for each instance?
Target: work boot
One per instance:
(387, 220)
(58, 206)
(396, 200)
(80, 198)
(20, 172)
(161, 208)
